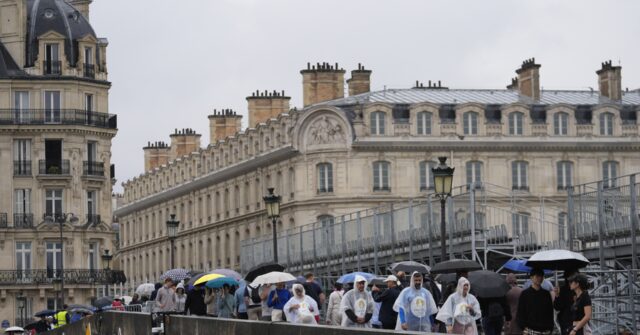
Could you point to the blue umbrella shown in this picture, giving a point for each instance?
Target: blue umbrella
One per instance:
(350, 277)
(519, 265)
(219, 282)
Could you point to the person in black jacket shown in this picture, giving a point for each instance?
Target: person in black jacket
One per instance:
(563, 302)
(535, 307)
(494, 313)
(387, 316)
(195, 301)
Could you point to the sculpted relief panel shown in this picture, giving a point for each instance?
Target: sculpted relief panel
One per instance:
(326, 132)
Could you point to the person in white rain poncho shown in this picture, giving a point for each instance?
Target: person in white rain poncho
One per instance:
(415, 305)
(461, 310)
(301, 308)
(357, 305)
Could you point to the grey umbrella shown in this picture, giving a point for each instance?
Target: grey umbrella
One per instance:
(488, 284)
(409, 267)
(456, 265)
(103, 302)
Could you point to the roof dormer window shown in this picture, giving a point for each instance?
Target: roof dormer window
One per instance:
(52, 64)
(89, 67)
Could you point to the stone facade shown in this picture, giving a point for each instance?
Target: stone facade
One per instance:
(55, 158)
(343, 155)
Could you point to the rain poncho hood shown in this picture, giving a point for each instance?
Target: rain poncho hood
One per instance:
(307, 310)
(361, 303)
(417, 306)
(455, 309)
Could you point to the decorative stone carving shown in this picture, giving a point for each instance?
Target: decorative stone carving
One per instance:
(325, 131)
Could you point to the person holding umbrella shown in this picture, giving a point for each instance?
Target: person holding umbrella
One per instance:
(563, 303)
(226, 303)
(194, 304)
(357, 305)
(166, 297)
(414, 306)
(388, 316)
(461, 310)
(495, 311)
(535, 307)
(277, 299)
(581, 307)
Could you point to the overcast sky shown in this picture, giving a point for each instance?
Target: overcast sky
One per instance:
(172, 62)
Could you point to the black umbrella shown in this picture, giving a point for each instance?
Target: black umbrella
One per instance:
(409, 267)
(488, 284)
(456, 265)
(195, 278)
(262, 269)
(45, 312)
(103, 302)
(446, 278)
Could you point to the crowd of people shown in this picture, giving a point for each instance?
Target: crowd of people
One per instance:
(410, 303)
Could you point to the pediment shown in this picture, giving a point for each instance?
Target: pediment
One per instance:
(51, 35)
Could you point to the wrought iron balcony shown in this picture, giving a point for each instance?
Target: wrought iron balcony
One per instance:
(3, 220)
(76, 117)
(54, 167)
(73, 276)
(93, 218)
(325, 190)
(50, 67)
(93, 168)
(89, 71)
(22, 168)
(23, 220)
(520, 188)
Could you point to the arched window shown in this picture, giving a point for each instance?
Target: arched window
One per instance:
(515, 123)
(325, 178)
(560, 123)
(519, 175)
(426, 175)
(470, 123)
(424, 123)
(381, 176)
(474, 173)
(520, 223)
(606, 124)
(377, 123)
(609, 173)
(565, 175)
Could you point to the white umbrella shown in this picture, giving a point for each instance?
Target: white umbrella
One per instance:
(557, 259)
(272, 278)
(145, 289)
(14, 329)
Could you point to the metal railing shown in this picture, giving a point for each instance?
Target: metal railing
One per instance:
(93, 168)
(50, 67)
(3, 220)
(89, 71)
(57, 116)
(71, 276)
(54, 167)
(22, 168)
(23, 220)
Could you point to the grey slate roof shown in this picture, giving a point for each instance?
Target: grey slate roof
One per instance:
(8, 67)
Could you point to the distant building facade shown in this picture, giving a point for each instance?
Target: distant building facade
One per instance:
(55, 156)
(341, 154)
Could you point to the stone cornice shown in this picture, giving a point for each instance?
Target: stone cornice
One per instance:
(209, 179)
(502, 144)
(66, 129)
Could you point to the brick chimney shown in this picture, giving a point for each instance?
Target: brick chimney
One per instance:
(156, 154)
(223, 123)
(360, 81)
(322, 82)
(82, 6)
(529, 79)
(183, 142)
(265, 105)
(610, 81)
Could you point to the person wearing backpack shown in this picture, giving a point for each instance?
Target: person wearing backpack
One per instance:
(494, 313)
(253, 301)
(313, 290)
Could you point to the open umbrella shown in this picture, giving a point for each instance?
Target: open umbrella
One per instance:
(145, 289)
(519, 265)
(557, 259)
(446, 278)
(272, 278)
(175, 274)
(409, 267)
(45, 312)
(262, 269)
(204, 279)
(14, 330)
(488, 284)
(103, 302)
(81, 310)
(228, 273)
(455, 265)
(219, 282)
(350, 277)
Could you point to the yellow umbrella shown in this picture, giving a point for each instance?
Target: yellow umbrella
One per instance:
(206, 278)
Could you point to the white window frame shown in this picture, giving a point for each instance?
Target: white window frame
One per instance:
(92, 256)
(22, 106)
(562, 226)
(325, 177)
(470, 123)
(561, 124)
(564, 171)
(327, 223)
(381, 176)
(516, 123)
(22, 203)
(606, 124)
(424, 123)
(53, 196)
(55, 250)
(609, 173)
(24, 259)
(52, 106)
(426, 175)
(520, 223)
(473, 170)
(519, 178)
(378, 126)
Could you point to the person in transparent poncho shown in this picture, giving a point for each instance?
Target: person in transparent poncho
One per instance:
(357, 305)
(415, 305)
(301, 308)
(461, 310)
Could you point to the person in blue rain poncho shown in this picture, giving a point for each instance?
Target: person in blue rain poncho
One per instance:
(415, 306)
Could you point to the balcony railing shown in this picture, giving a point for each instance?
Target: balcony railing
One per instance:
(50, 67)
(93, 218)
(381, 188)
(3, 220)
(89, 71)
(325, 190)
(93, 168)
(77, 117)
(22, 168)
(54, 167)
(520, 188)
(46, 276)
(23, 220)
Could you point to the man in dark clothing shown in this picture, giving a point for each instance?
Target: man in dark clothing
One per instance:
(195, 301)
(494, 313)
(312, 289)
(387, 315)
(155, 292)
(563, 303)
(535, 308)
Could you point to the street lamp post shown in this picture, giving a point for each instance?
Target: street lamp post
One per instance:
(57, 287)
(272, 203)
(443, 180)
(172, 230)
(106, 258)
